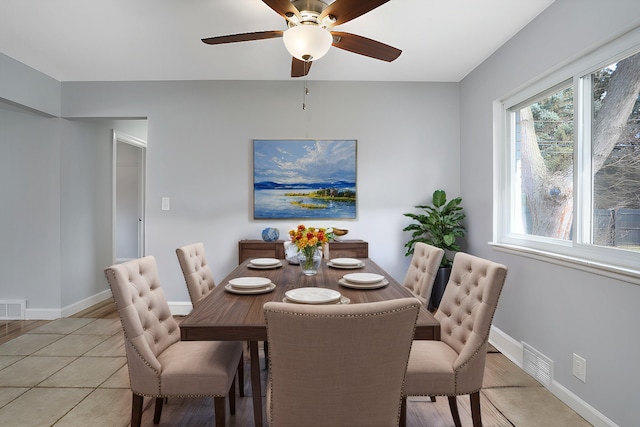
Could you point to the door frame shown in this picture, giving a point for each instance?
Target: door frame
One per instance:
(120, 137)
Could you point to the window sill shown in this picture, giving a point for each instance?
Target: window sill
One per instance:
(590, 266)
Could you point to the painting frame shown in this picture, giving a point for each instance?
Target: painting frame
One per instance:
(304, 179)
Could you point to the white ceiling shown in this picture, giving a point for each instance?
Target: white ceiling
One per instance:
(120, 40)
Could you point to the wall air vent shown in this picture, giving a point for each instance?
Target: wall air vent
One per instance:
(12, 309)
(537, 365)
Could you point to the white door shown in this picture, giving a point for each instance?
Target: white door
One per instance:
(129, 155)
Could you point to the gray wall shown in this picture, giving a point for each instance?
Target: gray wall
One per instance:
(200, 155)
(30, 213)
(85, 204)
(28, 88)
(55, 220)
(557, 309)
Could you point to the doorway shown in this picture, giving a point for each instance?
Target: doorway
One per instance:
(128, 188)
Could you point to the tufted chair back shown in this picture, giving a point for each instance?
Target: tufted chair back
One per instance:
(465, 315)
(149, 327)
(338, 365)
(196, 271)
(422, 270)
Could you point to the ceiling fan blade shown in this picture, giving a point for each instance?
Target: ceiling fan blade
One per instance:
(364, 46)
(346, 10)
(299, 68)
(244, 37)
(284, 8)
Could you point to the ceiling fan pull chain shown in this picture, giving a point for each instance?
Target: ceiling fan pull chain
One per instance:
(306, 89)
(304, 96)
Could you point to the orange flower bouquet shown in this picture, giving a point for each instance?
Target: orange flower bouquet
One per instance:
(309, 241)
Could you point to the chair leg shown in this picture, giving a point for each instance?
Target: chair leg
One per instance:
(475, 409)
(266, 351)
(136, 410)
(232, 397)
(433, 398)
(241, 376)
(158, 410)
(403, 412)
(218, 405)
(453, 405)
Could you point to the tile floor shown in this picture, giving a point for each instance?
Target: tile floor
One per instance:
(72, 372)
(65, 373)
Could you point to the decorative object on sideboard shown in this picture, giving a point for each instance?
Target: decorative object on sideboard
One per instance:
(291, 253)
(270, 234)
(440, 226)
(339, 232)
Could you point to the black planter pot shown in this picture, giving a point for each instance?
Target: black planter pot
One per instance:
(439, 285)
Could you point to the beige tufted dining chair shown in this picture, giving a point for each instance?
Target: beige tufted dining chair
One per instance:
(160, 365)
(338, 365)
(196, 271)
(199, 280)
(454, 365)
(422, 271)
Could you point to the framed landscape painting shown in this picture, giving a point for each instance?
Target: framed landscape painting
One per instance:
(304, 178)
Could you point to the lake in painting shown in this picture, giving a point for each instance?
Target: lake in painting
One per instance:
(304, 179)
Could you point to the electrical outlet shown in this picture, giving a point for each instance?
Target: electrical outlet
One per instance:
(580, 368)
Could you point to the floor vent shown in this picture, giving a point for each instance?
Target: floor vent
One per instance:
(12, 309)
(537, 365)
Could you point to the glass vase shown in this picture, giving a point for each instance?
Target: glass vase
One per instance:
(309, 259)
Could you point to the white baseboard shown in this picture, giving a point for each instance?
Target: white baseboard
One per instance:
(513, 350)
(180, 308)
(76, 307)
(70, 310)
(588, 412)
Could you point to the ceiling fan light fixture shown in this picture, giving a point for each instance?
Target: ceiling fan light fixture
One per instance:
(307, 42)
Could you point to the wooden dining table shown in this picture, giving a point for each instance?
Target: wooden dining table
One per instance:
(227, 316)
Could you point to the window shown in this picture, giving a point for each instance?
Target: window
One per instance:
(568, 178)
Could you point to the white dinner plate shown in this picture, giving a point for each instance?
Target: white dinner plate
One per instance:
(263, 262)
(380, 284)
(363, 277)
(264, 267)
(312, 295)
(342, 300)
(346, 267)
(346, 261)
(249, 282)
(249, 291)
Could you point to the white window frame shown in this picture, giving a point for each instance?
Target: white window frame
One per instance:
(578, 252)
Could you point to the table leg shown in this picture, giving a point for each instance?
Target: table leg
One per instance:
(256, 383)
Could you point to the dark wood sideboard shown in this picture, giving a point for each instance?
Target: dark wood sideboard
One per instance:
(337, 249)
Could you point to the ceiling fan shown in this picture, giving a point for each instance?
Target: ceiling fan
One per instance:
(308, 37)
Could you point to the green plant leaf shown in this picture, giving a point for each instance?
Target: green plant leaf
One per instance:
(439, 198)
(439, 225)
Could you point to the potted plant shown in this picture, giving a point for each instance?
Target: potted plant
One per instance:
(441, 226)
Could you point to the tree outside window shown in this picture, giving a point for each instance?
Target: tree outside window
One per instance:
(543, 140)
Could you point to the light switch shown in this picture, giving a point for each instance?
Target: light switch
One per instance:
(165, 203)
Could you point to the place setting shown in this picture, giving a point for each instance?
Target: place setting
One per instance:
(345, 263)
(250, 285)
(315, 296)
(264, 263)
(363, 281)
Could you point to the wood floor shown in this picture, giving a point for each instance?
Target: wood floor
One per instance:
(509, 396)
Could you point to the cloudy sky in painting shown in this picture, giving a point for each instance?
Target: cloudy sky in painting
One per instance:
(304, 161)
